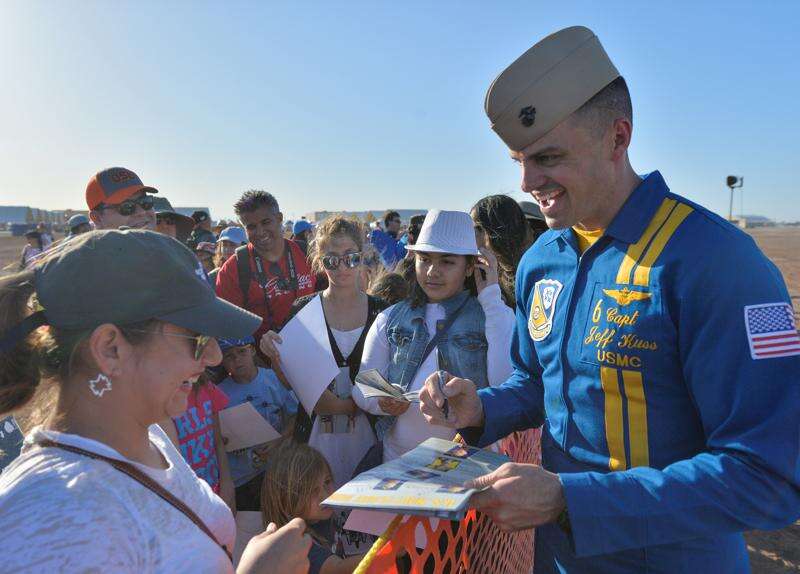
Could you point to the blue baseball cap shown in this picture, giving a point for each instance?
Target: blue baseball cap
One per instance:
(226, 344)
(300, 226)
(76, 220)
(233, 234)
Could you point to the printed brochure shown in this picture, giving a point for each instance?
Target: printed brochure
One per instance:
(427, 480)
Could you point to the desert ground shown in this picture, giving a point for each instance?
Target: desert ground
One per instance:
(770, 552)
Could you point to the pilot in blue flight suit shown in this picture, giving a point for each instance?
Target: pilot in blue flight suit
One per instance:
(654, 341)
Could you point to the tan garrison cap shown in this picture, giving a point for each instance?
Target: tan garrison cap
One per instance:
(546, 84)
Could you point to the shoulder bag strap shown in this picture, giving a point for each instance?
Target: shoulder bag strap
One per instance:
(441, 332)
(145, 481)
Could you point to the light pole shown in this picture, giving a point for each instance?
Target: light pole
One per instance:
(733, 181)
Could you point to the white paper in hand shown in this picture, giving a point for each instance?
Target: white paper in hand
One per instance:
(306, 356)
(373, 385)
(243, 427)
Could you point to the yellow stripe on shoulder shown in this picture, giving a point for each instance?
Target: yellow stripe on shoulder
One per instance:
(635, 250)
(641, 276)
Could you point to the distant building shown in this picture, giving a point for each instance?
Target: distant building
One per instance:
(750, 221)
(25, 214)
(372, 215)
(14, 213)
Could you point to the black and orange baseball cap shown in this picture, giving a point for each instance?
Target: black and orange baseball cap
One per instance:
(114, 185)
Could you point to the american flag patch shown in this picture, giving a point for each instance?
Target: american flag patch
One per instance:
(771, 331)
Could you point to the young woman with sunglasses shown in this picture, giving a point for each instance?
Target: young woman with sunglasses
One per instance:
(337, 427)
(98, 486)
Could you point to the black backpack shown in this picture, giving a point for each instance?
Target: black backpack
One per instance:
(245, 275)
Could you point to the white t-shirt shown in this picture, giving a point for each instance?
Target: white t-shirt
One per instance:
(65, 512)
(346, 440)
(411, 427)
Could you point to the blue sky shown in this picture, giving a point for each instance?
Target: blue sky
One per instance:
(369, 105)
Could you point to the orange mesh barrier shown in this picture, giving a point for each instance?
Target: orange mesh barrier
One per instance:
(472, 545)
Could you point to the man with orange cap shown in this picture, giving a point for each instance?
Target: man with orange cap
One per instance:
(116, 198)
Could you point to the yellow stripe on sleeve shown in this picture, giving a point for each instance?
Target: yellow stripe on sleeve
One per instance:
(636, 249)
(613, 419)
(637, 418)
(641, 276)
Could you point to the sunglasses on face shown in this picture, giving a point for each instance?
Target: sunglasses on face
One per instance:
(166, 219)
(351, 260)
(128, 207)
(200, 341)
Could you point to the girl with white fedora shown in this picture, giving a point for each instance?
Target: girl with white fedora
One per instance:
(453, 320)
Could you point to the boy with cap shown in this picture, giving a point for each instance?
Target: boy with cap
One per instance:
(654, 341)
(248, 383)
(116, 198)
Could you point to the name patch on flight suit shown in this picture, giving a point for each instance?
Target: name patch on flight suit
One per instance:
(624, 333)
(543, 306)
(623, 326)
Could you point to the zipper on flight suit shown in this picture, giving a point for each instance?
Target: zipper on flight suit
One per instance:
(568, 321)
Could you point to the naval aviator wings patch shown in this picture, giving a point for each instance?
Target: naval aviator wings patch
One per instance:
(543, 306)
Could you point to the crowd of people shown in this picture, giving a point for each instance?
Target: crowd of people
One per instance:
(374, 283)
(127, 338)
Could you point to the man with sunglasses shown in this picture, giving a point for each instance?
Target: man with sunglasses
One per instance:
(170, 222)
(268, 274)
(116, 197)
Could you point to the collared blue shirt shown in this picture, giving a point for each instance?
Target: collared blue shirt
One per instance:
(669, 432)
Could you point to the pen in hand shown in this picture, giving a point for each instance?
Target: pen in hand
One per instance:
(445, 407)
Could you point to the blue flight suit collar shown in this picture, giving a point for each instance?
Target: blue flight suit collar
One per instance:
(635, 214)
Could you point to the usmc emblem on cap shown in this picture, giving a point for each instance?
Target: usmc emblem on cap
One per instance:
(527, 116)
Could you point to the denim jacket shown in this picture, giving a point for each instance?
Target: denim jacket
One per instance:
(461, 351)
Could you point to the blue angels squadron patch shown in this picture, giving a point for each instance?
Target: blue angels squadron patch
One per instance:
(543, 306)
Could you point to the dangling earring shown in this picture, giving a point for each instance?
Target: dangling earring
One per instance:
(100, 384)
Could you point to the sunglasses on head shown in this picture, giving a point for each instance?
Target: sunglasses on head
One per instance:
(200, 341)
(128, 207)
(351, 260)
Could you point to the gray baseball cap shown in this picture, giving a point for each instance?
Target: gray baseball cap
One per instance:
(125, 277)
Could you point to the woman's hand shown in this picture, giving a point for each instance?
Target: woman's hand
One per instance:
(275, 551)
(487, 264)
(393, 406)
(268, 347)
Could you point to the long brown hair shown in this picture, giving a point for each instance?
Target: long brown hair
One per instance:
(291, 478)
(48, 354)
(509, 235)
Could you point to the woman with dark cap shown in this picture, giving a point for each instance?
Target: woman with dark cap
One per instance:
(500, 225)
(108, 351)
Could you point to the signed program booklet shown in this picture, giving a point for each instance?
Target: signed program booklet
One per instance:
(425, 481)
